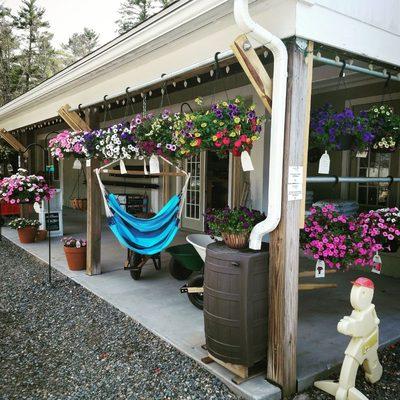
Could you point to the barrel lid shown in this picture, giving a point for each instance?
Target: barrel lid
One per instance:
(221, 250)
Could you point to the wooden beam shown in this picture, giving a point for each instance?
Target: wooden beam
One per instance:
(310, 63)
(166, 182)
(13, 142)
(254, 69)
(284, 241)
(94, 206)
(73, 119)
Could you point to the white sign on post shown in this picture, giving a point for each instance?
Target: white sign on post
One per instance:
(320, 269)
(295, 183)
(245, 159)
(154, 165)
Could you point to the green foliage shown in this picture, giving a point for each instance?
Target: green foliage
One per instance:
(132, 12)
(80, 44)
(5, 152)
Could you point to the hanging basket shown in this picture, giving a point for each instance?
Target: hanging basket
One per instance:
(79, 204)
(236, 240)
(383, 150)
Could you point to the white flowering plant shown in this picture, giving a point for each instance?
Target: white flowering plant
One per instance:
(20, 223)
(117, 142)
(385, 125)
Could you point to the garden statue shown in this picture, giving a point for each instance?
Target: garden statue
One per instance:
(362, 326)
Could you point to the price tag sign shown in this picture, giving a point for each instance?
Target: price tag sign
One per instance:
(324, 164)
(154, 165)
(245, 159)
(320, 269)
(377, 264)
(362, 154)
(88, 163)
(122, 167)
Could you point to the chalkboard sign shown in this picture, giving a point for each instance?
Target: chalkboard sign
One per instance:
(53, 221)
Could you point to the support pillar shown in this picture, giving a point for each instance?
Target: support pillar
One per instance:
(284, 241)
(94, 207)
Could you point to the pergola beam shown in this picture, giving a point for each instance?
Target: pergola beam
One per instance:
(13, 142)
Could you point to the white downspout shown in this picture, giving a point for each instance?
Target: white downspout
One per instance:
(278, 49)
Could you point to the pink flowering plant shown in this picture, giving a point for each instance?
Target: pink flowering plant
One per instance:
(21, 188)
(326, 237)
(67, 144)
(383, 226)
(74, 242)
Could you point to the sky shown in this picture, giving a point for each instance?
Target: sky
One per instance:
(69, 16)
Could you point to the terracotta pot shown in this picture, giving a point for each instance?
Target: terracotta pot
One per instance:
(236, 240)
(41, 235)
(79, 204)
(27, 234)
(76, 258)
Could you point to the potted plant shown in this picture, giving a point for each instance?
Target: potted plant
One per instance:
(233, 225)
(332, 131)
(386, 127)
(384, 226)
(75, 252)
(26, 228)
(41, 235)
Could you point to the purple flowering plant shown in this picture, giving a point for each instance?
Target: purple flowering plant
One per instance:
(331, 130)
(231, 220)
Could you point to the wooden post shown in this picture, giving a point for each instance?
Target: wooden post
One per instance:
(284, 241)
(94, 207)
(94, 203)
(310, 63)
(13, 142)
(166, 182)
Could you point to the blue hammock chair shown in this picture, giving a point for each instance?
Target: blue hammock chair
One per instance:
(144, 236)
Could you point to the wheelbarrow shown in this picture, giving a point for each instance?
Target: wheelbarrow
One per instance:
(186, 259)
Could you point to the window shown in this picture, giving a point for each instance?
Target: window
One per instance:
(375, 165)
(193, 193)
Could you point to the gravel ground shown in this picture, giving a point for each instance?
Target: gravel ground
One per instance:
(388, 388)
(62, 342)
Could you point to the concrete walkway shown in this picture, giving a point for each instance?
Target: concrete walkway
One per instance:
(155, 302)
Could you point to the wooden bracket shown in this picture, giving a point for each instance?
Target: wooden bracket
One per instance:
(13, 142)
(73, 119)
(254, 69)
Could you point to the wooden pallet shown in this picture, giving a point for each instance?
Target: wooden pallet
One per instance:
(242, 373)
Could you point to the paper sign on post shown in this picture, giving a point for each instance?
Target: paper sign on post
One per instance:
(88, 162)
(122, 167)
(320, 269)
(247, 164)
(324, 163)
(154, 165)
(145, 167)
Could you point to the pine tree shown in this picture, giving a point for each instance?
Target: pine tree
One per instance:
(34, 40)
(79, 45)
(8, 47)
(133, 12)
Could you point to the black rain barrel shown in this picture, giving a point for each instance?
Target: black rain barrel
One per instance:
(236, 304)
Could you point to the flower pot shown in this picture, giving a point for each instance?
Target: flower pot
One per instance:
(41, 235)
(76, 258)
(26, 210)
(236, 240)
(345, 143)
(27, 234)
(79, 204)
(383, 150)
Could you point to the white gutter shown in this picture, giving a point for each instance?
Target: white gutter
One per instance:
(278, 49)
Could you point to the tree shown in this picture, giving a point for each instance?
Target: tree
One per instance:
(79, 45)
(133, 12)
(8, 47)
(34, 40)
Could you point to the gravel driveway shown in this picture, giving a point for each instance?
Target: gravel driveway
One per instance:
(62, 342)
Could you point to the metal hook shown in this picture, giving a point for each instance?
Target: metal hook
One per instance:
(127, 90)
(341, 73)
(217, 66)
(186, 104)
(336, 181)
(388, 79)
(391, 181)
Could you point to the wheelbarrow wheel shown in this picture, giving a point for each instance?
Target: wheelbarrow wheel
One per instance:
(134, 260)
(135, 273)
(178, 271)
(196, 298)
